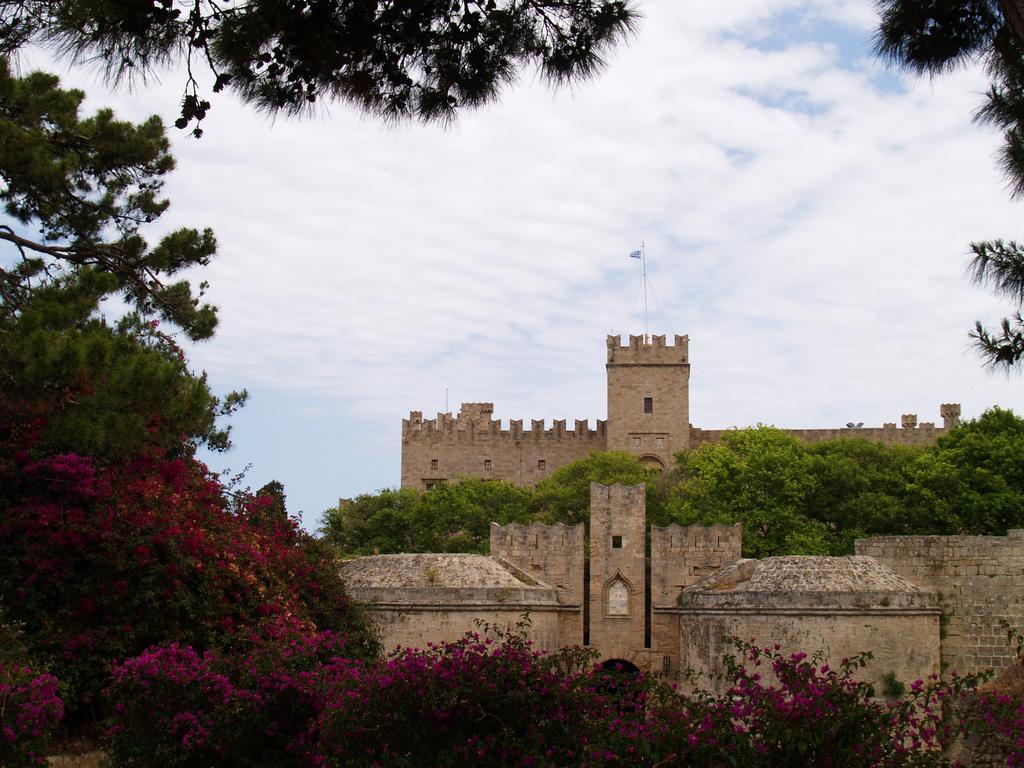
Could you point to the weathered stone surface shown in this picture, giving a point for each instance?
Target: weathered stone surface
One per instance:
(416, 599)
(841, 606)
(436, 571)
(839, 582)
(979, 581)
(84, 760)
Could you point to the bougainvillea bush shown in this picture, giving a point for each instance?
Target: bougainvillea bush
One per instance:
(101, 562)
(492, 700)
(30, 709)
(998, 721)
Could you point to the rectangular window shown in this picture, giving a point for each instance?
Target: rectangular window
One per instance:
(541, 464)
(487, 464)
(648, 405)
(661, 442)
(636, 442)
(616, 542)
(433, 463)
(429, 484)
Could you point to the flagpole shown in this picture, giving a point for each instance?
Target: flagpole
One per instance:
(643, 261)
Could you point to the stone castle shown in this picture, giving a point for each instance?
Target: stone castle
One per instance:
(667, 602)
(648, 416)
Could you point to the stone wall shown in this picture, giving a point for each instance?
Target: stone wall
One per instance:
(904, 644)
(840, 606)
(553, 554)
(979, 581)
(922, 435)
(405, 626)
(446, 449)
(682, 556)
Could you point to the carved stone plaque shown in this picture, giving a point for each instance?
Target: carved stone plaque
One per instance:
(618, 599)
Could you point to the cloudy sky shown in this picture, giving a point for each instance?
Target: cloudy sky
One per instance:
(806, 216)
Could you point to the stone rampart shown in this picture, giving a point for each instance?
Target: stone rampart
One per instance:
(683, 555)
(923, 435)
(553, 554)
(446, 448)
(979, 581)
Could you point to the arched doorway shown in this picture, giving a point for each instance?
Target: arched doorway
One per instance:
(622, 682)
(620, 666)
(652, 462)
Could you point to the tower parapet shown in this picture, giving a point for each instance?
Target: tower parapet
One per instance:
(648, 350)
(950, 413)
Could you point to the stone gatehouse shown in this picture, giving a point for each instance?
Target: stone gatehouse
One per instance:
(648, 416)
(667, 602)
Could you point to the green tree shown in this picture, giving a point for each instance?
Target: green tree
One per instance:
(933, 36)
(564, 496)
(87, 185)
(372, 524)
(78, 190)
(999, 265)
(860, 488)
(457, 517)
(985, 458)
(420, 59)
(759, 477)
(448, 518)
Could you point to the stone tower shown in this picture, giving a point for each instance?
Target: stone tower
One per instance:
(618, 579)
(649, 397)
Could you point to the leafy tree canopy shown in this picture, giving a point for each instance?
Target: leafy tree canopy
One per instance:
(420, 59)
(986, 461)
(564, 496)
(759, 477)
(448, 518)
(77, 192)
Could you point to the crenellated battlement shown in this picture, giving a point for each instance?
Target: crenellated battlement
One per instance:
(648, 350)
(549, 553)
(445, 423)
(512, 540)
(683, 555)
(679, 538)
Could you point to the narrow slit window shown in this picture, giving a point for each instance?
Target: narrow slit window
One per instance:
(648, 405)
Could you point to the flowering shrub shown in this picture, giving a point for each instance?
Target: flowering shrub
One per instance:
(477, 701)
(489, 700)
(29, 710)
(175, 707)
(999, 718)
(101, 562)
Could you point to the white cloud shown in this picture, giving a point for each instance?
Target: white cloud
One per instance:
(805, 227)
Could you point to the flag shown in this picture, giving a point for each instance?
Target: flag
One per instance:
(635, 255)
